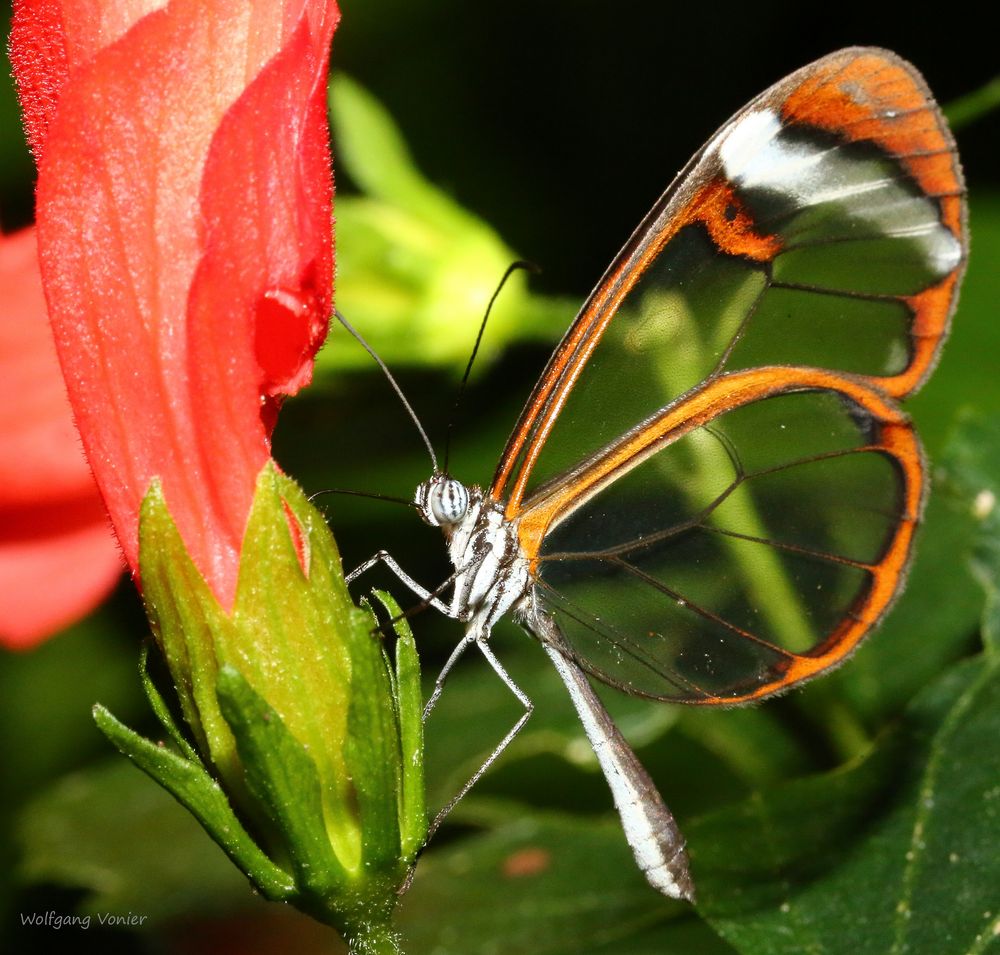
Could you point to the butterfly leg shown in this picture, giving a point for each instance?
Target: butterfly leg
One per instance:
(460, 648)
(522, 698)
(384, 557)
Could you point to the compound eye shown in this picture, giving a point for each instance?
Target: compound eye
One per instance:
(449, 501)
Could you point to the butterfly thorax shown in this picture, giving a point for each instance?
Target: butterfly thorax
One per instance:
(491, 575)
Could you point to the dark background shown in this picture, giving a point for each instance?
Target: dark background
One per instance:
(560, 122)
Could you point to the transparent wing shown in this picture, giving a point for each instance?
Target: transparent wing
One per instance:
(734, 544)
(823, 227)
(713, 484)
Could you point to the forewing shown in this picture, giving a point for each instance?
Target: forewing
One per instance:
(823, 226)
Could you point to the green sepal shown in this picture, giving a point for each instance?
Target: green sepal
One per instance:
(286, 634)
(373, 752)
(283, 778)
(190, 784)
(188, 624)
(292, 637)
(160, 708)
(410, 716)
(385, 748)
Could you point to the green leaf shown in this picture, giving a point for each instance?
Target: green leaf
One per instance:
(974, 468)
(372, 151)
(544, 884)
(682, 936)
(894, 854)
(190, 784)
(416, 270)
(755, 743)
(973, 106)
(39, 740)
(128, 846)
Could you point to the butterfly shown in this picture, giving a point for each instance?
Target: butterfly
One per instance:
(711, 494)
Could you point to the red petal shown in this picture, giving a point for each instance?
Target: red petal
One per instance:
(38, 54)
(268, 258)
(186, 177)
(58, 559)
(48, 38)
(57, 563)
(40, 455)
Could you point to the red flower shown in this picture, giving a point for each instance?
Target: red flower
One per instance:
(184, 222)
(58, 559)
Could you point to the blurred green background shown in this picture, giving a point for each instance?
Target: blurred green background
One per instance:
(545, 131)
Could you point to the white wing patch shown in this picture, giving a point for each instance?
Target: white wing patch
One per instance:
(759, 153)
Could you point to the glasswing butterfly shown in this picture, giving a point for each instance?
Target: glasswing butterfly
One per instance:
(711, 494)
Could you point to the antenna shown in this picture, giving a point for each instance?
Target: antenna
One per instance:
(395, 387)
(369, 494)
(511, 269)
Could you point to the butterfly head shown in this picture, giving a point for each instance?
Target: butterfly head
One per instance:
(443, 501)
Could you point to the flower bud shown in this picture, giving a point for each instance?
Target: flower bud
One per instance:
(294, 710)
